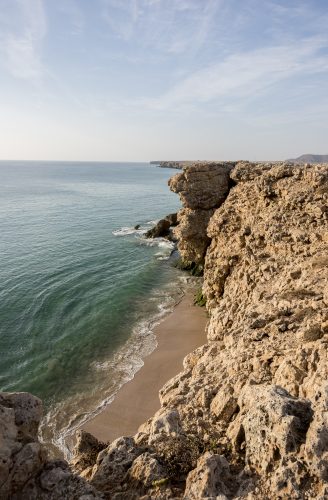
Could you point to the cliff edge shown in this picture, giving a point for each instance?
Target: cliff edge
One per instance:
(247, 418)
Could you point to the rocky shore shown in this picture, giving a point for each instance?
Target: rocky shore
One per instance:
(169, 164)
(247, 418)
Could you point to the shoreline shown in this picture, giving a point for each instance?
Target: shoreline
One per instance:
(182, 331)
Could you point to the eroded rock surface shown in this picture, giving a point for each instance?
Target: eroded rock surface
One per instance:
(202, 188)
(25, 471)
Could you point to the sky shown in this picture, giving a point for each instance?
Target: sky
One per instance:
(140, 80)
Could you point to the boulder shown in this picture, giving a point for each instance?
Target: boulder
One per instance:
(161, 229)
(210, 479)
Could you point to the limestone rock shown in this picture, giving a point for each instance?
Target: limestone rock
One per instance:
(85, 451)
(274, 424)
(202, 188)
(210, 479)
(165, 423)
(27, 409)
(25, 471)
(224, 405)
(113, 463)
(147, 470)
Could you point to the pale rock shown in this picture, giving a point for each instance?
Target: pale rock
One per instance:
(165, 423)
(274, 424)
(316, 447)
(25, 471)
(209, 480)
(146, 470)
(113, 463)
(224, 404)
(202, 188)
(28, 411)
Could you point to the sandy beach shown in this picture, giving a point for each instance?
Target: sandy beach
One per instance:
(181, 331)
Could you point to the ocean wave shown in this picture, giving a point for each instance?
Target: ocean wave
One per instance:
(127, 231)
(157, 242)
(111, 374)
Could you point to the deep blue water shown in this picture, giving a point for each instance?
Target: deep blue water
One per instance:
(80, 290)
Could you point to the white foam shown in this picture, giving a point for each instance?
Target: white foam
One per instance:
(114, 372)
(157, 242)
(126, 231)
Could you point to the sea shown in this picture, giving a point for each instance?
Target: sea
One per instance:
(81, 290)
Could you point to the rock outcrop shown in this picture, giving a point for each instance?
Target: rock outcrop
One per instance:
(163, 227)
(25, 471)
(247, 418)
(202, 188)
(169, 164)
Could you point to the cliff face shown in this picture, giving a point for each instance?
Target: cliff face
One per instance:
(202, 189)
(248, 416)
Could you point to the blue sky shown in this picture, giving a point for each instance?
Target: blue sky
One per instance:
(163, 79)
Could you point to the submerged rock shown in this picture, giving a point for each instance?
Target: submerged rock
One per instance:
(162, 228)
(159, 230)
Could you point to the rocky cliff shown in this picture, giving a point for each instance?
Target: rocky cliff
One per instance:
(247, 418)
(202, 189)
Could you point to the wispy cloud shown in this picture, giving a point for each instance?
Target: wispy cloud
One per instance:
(171, 26)
(23, 29)
(244, 74)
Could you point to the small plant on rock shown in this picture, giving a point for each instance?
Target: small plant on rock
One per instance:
(200, 298)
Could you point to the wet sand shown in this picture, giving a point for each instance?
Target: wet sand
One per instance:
(181, 332)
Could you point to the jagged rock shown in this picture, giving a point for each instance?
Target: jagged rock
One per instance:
(202, 188)
(224, 405)
(162, 228)
(210, 479)
(25, 471)
(146, 470)
(27, 410)
(172, 218)
(273, 424)
(113, 463)
(191, 234)
(165, 423)
(85, 451)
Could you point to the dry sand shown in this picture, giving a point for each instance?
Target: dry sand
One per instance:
(179, 333)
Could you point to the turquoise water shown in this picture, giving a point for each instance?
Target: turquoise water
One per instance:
(80, 289)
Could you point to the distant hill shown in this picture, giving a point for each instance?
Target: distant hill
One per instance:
(311, 159)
